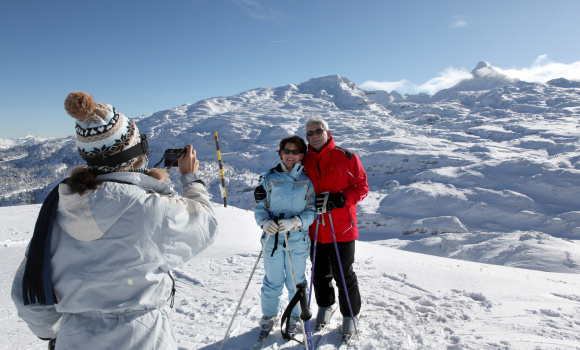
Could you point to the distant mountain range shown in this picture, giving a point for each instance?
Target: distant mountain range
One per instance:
(490, 154)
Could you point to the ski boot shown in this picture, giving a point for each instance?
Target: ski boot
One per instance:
(348, 328)
(323, 318)
(294, 326)
(266, 326)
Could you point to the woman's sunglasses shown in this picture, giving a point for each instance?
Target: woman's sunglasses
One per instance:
(317, 131)
(293, 151)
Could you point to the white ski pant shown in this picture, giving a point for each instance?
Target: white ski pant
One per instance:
(277, 270)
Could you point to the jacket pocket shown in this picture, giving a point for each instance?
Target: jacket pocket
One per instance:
(341, 219)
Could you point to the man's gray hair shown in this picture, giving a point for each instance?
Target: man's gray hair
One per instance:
(316, 121)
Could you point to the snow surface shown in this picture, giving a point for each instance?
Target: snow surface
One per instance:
(411, 300)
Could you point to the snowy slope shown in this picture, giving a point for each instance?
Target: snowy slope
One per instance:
(411, 301)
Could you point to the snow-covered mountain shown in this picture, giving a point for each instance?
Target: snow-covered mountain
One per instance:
(26, 140)
(488, 165)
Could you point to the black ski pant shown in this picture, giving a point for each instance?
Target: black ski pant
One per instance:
(326, 268)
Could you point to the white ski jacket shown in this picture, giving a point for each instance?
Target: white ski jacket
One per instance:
(111, 251)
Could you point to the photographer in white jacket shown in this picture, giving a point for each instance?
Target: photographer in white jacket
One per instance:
(117, 231)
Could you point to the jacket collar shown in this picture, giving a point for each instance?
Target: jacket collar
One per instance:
(329, 146)
(295, 173)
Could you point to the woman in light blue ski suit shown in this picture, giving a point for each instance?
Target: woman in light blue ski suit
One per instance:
(288, 207)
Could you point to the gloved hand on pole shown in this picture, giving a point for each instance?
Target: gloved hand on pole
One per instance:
(335, 200)
(285, 225)
(270, 227)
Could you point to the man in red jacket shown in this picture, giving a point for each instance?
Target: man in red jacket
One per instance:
(339, 173)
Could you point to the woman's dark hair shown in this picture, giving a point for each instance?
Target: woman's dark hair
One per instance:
(297, 140)
(82, 180)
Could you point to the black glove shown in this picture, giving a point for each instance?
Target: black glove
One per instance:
(51, 343)
(335, 200)
(259, 193)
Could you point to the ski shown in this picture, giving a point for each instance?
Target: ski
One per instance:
(261, 339)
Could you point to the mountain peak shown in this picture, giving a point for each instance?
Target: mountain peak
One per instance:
(480, 65)
(338, 90)
(329, 81)
(484, 70)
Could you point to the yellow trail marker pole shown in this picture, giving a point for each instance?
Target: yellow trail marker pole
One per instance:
(217, 146)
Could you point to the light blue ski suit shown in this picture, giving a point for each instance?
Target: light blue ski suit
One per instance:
(290, 194)
(111, 252)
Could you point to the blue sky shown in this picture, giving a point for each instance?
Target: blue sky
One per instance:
(146, 56)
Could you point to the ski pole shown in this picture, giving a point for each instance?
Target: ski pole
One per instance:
(307, 340)
(217, 146)
(305, 316)
(319, 213)
(342, 273)
(245, 290)
(313, 258)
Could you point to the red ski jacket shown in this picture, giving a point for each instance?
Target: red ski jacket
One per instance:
(335, 170)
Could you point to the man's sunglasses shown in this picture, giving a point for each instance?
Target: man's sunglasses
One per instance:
(317, 131)
(293, 151)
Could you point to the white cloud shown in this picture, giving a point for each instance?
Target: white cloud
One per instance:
(446, 79)
(458, 22)
(402, 86)
(541, 71)
(544, 69)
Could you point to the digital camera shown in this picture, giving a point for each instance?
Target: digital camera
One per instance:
(171, 156)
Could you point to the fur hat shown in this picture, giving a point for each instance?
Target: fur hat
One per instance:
(103, 132)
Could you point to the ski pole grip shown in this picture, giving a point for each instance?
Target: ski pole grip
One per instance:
(306, 314)
(322, 209)
(279, 217)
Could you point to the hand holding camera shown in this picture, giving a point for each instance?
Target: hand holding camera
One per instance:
(184, 158)
(172, 156)
(188, 162)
